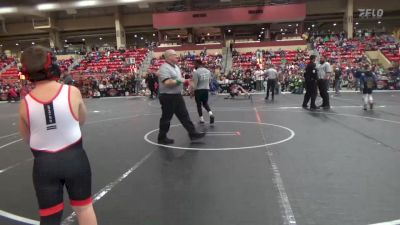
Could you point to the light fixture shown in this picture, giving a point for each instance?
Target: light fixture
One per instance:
(47, 6)
(261, 32)
(297, 24)
(141, 38)
(33, 43)
(208, 34)
(135, 36)
(83, 39)
(179, 36)
(86, 3)
(154, 35)
(334, 24)
(259, 35)
(309, 28)
(313, 25)
(65, 41)
(1, 45)
(379, 22)
(263, 28)
(356, 23)
(281, 29)
(229, 31)
(100, 38)
(16, 44)
(5, 10)
(289, 25)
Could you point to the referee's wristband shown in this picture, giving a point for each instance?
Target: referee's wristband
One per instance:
(178, 82)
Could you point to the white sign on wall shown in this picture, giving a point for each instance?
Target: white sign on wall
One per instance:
(370, 13)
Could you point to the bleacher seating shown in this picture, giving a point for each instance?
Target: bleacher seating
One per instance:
(356, 50)
(65, 64)
(392, 56)
(10, 75)
(248, 60)
(102, 62)
(187, 63)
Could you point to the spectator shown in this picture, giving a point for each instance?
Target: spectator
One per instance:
(12, 94)
(338, 80)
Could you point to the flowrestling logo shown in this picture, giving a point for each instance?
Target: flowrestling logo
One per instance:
(370, 13)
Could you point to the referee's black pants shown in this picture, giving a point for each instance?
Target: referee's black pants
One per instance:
(271, 86)
(174, 104)
(323, 86)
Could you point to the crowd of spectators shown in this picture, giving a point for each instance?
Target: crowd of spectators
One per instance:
(116, 84)
(15, 91)
(115, 72)
(249, 69)
(103, 62)
(348, 56)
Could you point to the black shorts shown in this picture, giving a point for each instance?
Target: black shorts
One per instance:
(53, 171)
(367, 91)
(201, 95)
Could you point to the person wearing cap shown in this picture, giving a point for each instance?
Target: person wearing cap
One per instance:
(171, 99)
(310, 78)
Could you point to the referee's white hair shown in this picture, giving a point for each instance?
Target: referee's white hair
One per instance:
(169, 52)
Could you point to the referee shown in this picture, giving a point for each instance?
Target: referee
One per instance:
(171, 100)
(324, 72)
(201, 86)
(272, 76)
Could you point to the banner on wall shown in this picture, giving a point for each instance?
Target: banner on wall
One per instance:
(231, 16)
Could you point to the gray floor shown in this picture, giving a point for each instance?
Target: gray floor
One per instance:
(341, 167)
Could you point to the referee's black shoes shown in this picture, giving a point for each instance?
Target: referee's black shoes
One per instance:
(196, 136)
(165, 141)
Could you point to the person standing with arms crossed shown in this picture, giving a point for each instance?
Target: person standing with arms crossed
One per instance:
(324, 73)
(310, 77)
(271, 75)
(201, 85)
(50, 120)
(171, 100)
